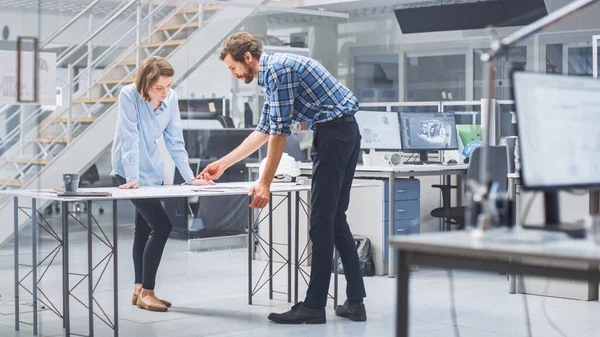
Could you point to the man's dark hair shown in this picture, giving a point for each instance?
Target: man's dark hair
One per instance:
(238, 44)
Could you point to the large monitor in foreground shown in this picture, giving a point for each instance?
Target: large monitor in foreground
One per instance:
(558, 122)
(559, 126)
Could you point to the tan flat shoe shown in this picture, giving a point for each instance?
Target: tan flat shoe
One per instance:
(134, 299)
(153, 306)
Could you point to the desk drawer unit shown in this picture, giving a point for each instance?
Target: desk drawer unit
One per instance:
(408, 210)
(406, 189)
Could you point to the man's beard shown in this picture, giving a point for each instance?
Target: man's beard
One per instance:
(248, 78)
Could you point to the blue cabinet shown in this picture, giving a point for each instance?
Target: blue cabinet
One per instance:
(406, 189)
(407, 204)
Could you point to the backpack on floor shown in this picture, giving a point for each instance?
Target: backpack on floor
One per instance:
(363, 247)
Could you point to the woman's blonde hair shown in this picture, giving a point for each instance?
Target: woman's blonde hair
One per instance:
(151, 70)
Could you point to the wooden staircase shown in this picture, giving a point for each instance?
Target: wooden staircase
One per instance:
(169, 35)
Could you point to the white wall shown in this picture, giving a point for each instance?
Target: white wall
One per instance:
(211, 78)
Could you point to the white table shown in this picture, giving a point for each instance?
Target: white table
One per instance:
(407, 170)
(390, 174)
(161, 192)
(496, 251)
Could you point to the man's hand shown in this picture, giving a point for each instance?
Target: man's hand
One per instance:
(200, 182)
(213, 171)
(262, 195)
(129, 185)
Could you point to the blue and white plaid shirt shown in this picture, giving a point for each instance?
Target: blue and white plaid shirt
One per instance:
(299, 89)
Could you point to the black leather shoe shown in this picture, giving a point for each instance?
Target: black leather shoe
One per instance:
(300, 314)
(355, 312)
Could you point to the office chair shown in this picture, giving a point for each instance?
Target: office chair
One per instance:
(292, 147)
(226, 121)
(498, 173)
(248, 116)
(511, 142)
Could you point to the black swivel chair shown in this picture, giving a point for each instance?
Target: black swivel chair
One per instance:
(498, 173)
(226, 121)
(511, 142)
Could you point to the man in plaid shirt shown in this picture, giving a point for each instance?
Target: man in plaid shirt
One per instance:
(299, 89)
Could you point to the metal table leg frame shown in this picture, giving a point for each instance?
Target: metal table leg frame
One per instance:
(270, 247)
(66, 307)
(252, 235)
(392, 221)
(37, 222)
(34, 264)
(402, 279)
(300, 259)
(447, 223)
(16, 257)
(104, 262)
(289, 246)
(115, 250)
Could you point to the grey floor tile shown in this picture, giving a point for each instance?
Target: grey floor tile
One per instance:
(595, 333)
(209, 293)
(569, 324)
(462, 332)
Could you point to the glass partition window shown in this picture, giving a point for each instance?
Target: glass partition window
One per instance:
(465, 114)
(423, 108)
(515, 57)
(376, 78)
(507, 128)
(435, 78)
(554, 58)
(367, 107)
(580, 61)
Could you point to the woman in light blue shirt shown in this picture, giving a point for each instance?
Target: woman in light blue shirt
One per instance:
(148, 110)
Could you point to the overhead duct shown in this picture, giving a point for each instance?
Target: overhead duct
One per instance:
(447, 15)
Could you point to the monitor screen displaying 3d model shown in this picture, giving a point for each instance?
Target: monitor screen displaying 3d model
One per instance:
(428, 131)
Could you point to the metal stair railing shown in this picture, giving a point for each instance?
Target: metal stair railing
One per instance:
(23, 124)
(92, 111)
(33, 117)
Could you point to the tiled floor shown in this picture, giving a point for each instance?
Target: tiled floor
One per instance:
(210, 299)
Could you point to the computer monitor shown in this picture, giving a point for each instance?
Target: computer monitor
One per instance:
(558, 122)
(558, 119)
(428, 131)
(379, 130)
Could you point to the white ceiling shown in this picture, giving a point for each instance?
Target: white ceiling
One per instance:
(344, 6)
(350, 5)
(354, 8)
(367, 7)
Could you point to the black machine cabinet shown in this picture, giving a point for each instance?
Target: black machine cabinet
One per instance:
(218, 215)
(212, 216)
